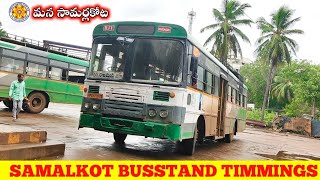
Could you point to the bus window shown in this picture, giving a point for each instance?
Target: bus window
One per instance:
(76, 77)
(58, 63)
(77, 67)
(244, 101)
(209, 82)
(233, 94)
(200, 73)
(11, 65)
(57, 73)
(36, 70)
(14, 54)
(37, 59)
(229, 94)
(158, 61)
(237, 97)
(240, 99)
(215, 85)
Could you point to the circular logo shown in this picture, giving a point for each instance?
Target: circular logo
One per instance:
(19, 12)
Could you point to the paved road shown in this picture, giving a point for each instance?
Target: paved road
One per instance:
(61, 121)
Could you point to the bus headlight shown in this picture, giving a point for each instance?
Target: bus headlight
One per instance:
(164, 113)
(96, 106)
(87, 105)
(152, 112)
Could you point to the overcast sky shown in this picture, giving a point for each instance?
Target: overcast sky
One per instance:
(170, 11)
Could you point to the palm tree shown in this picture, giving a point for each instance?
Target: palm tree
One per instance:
(2, 32)
(275, 45)
(282, 89)
(226, 32)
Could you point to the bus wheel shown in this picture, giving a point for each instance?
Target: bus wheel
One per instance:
(25, 106)
(188, 146)
(119, 137)
(229, 137)
(8, 104)
(37, 102)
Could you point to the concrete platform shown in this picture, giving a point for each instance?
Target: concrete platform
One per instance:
(7, 138)
(31, 151)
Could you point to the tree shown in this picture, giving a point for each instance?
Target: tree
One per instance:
(254, 75)
(306, 88)
(282, 89)
(2, 32)
(226, 32)
(275, 45)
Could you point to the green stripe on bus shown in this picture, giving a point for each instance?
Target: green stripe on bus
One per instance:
(187, 135)
(7, 45)
(68, 59)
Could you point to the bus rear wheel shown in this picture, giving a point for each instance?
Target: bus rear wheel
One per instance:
(188, 146)
(229, 137)
(37, 103)
(119, 138)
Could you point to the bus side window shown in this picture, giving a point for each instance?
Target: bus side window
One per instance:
(76, 77)
(229, 94)
(244, 101)
(200, 80)
(11, 65)
(34, 69)
(57, 73)
(237, 97)
(232, 95)
(216, 85)
(209, 82)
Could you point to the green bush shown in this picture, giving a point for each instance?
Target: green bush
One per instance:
(256, 115)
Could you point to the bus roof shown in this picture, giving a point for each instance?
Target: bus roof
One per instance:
(44, 54)
(154, 29)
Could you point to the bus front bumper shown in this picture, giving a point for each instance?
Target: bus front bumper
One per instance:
(126, 126)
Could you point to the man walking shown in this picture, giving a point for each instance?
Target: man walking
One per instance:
(17, 93)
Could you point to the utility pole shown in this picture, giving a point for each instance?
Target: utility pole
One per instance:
(191, 16)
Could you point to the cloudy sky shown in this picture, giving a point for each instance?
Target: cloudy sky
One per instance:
(170, 11)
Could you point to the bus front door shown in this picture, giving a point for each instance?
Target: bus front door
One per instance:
(223, 90)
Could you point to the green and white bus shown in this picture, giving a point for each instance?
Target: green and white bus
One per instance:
(154, 80)
(49, 77)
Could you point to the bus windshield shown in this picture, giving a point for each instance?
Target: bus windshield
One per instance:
(143, 60)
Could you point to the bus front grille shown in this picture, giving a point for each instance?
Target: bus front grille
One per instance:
(124, 108)
(124, 97)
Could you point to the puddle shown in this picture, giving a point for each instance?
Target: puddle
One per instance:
(283, 155)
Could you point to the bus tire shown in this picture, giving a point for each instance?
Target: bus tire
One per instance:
(229, 137)
(188, 146)
(37, 102)
(25, 106)
(9, 105)
(119, 138)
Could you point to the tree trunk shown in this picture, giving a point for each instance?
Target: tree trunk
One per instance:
(313, 108)
(268, 103)
(272, 71)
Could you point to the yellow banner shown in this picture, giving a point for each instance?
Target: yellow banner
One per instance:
(126, 170)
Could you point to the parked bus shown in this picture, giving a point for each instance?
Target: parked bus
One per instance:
(155, 80)
(49, 77)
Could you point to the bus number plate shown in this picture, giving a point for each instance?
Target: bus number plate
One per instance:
(94, 95)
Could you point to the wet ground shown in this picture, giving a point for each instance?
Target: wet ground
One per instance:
(61, 122)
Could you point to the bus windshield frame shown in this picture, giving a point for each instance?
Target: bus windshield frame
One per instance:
(143, 60)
